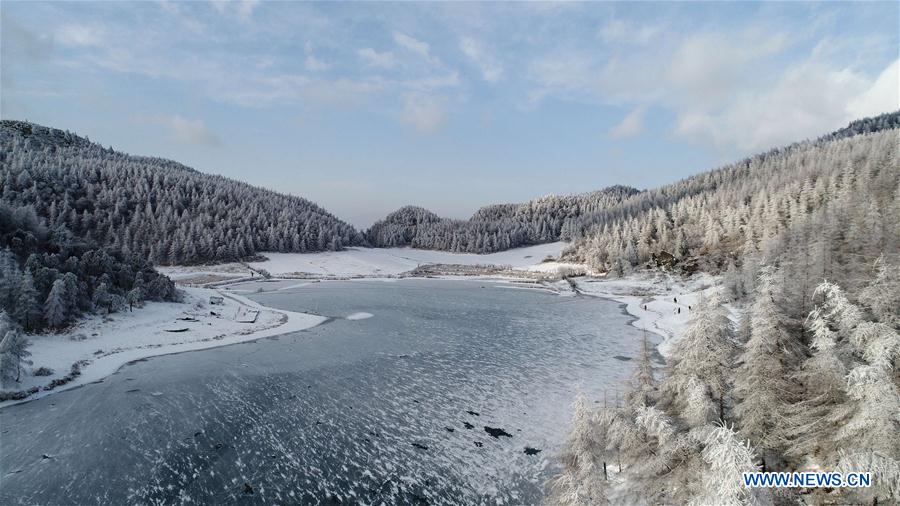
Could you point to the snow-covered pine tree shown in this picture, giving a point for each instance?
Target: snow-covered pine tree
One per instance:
(102, 298)
(642, 388)
(882, 296)
(13, 350)
(868, 434)
(726, 457)
(27, 310)
(817, 416)
(763, 384)
(699, 371)
(582, 481)
(55, 309)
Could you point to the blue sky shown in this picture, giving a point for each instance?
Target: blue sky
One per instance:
(364, 107)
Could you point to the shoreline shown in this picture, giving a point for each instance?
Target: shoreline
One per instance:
(96, 368)
(632, 293)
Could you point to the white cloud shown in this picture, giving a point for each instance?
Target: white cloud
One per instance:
(631, 125)
(490, 69)
(810, 99)
(425, 113)
(78, 35)
(618, 31)
(313, 64)
(188, 131)
(883, 96)
(707, 67)
(414, 45)
(375, 59)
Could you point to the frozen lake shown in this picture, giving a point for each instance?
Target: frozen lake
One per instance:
(434, 398)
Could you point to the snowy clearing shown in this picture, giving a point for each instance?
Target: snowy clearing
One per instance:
(359, 262)
(103, 344)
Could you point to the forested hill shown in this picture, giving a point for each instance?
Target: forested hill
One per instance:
(589, 218)
(821, 209)
(156, 208)
(496, 227)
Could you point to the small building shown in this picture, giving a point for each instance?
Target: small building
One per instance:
(216, 300)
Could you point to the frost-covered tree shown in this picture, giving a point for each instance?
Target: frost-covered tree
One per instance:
(642, 389)
(726, 457)
(697, 381)
(13, 351)
(582, 481)
(868, 431)
(882, 296)
(102, 299)
(56, 306)
(817, 416)
(27, 310)
(763, 384)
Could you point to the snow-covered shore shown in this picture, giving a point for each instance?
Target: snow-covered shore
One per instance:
(100, 345)
(654, 300)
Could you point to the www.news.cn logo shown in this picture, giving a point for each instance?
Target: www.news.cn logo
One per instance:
(807, 480)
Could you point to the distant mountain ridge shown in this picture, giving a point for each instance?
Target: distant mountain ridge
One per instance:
(494, 227)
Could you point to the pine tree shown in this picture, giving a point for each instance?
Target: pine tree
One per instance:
(699, 374)
(882, 296)
(55, 309)
(763, 384)
(28, 310)
(726, 457)
(816, 418)
(102, 297)
(13, 351)
(642, 388)
(582, 481)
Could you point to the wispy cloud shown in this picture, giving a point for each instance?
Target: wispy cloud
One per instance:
(631, 125)
(373, 58)
(79, 35)
(414, 45)
(720, 82)
(490, 69)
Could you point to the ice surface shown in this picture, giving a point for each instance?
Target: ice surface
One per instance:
(355, 410)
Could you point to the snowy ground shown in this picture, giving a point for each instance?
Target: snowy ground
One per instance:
(654, 299)
(365, 262)
(103, 344)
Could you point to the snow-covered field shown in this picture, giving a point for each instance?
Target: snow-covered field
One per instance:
(103, 344)
(358, 262)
